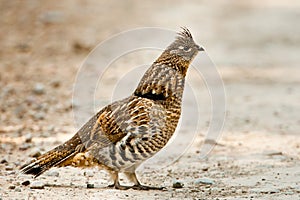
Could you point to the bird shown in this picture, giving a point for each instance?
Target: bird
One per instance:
(127, 132)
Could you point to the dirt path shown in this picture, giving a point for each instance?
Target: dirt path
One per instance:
(255, 46)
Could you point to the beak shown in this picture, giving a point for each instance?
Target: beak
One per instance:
(200, 48)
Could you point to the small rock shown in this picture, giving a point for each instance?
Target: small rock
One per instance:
(55, 83)
(3, 161)
(205, 169)
(11, 173)
(28, 138)
(52, 17)
(210, 141)
(177, 184)
(75, 103)
(24, 147)
(88, 173)
(297, 189)
(45, 134)
(20, 111)
(53, 173)
(35, 152)
(51, 128)
(273, 153)
(39, 89)
(17, 163)
(289, 193)
(9, 168)
(39, 116)
(80, 47)
(90, 185)
(25, 183)
(11, 187)
(17, 189)
(205, 181)
(37, 185)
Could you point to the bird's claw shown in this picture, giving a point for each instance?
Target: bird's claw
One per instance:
(134, 187)
(145, 187)
(118, 187)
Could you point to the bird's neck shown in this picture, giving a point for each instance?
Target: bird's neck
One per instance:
(174, 61)
(164, 80)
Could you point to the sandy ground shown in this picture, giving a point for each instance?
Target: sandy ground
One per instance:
(255, 47)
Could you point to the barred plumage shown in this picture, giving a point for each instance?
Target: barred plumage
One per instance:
(127, 132)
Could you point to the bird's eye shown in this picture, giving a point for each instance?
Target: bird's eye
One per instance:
(186, 48)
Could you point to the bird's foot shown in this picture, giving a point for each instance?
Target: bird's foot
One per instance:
(145, 187)
(119, 187)
(135, 187)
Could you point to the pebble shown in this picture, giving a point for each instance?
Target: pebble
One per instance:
(25, 183)
(53, 173)
(205, 181)
(289, 193)
(297, 189)
(37, 185)
(3, 161)
(52, 17)
(205, 169)
(55, 83)
(90, 185)
(75, 103)
(88, 173)
(39, 116)
(35, 152)
(273, 153)
(38, 89)
(177, 184)
(20, 111)
(28, 137)
(11, 187)
(9, 168)
(24, 147)
(45, 134)
(11, 173)
(30, 100)
(51, 128)
(17, 189)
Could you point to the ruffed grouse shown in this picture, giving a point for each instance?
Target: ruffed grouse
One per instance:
(127, 132)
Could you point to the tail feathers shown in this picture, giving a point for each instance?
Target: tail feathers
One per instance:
(46, 161)
(59, 156)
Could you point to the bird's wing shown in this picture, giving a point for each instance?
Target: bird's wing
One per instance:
(133, 115)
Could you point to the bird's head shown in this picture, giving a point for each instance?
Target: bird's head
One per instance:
(184, 46)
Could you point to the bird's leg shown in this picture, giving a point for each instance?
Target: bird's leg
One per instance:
(116, 184)
(137, 185)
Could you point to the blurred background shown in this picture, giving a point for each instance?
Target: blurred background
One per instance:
(43, 43)
(254, 44)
